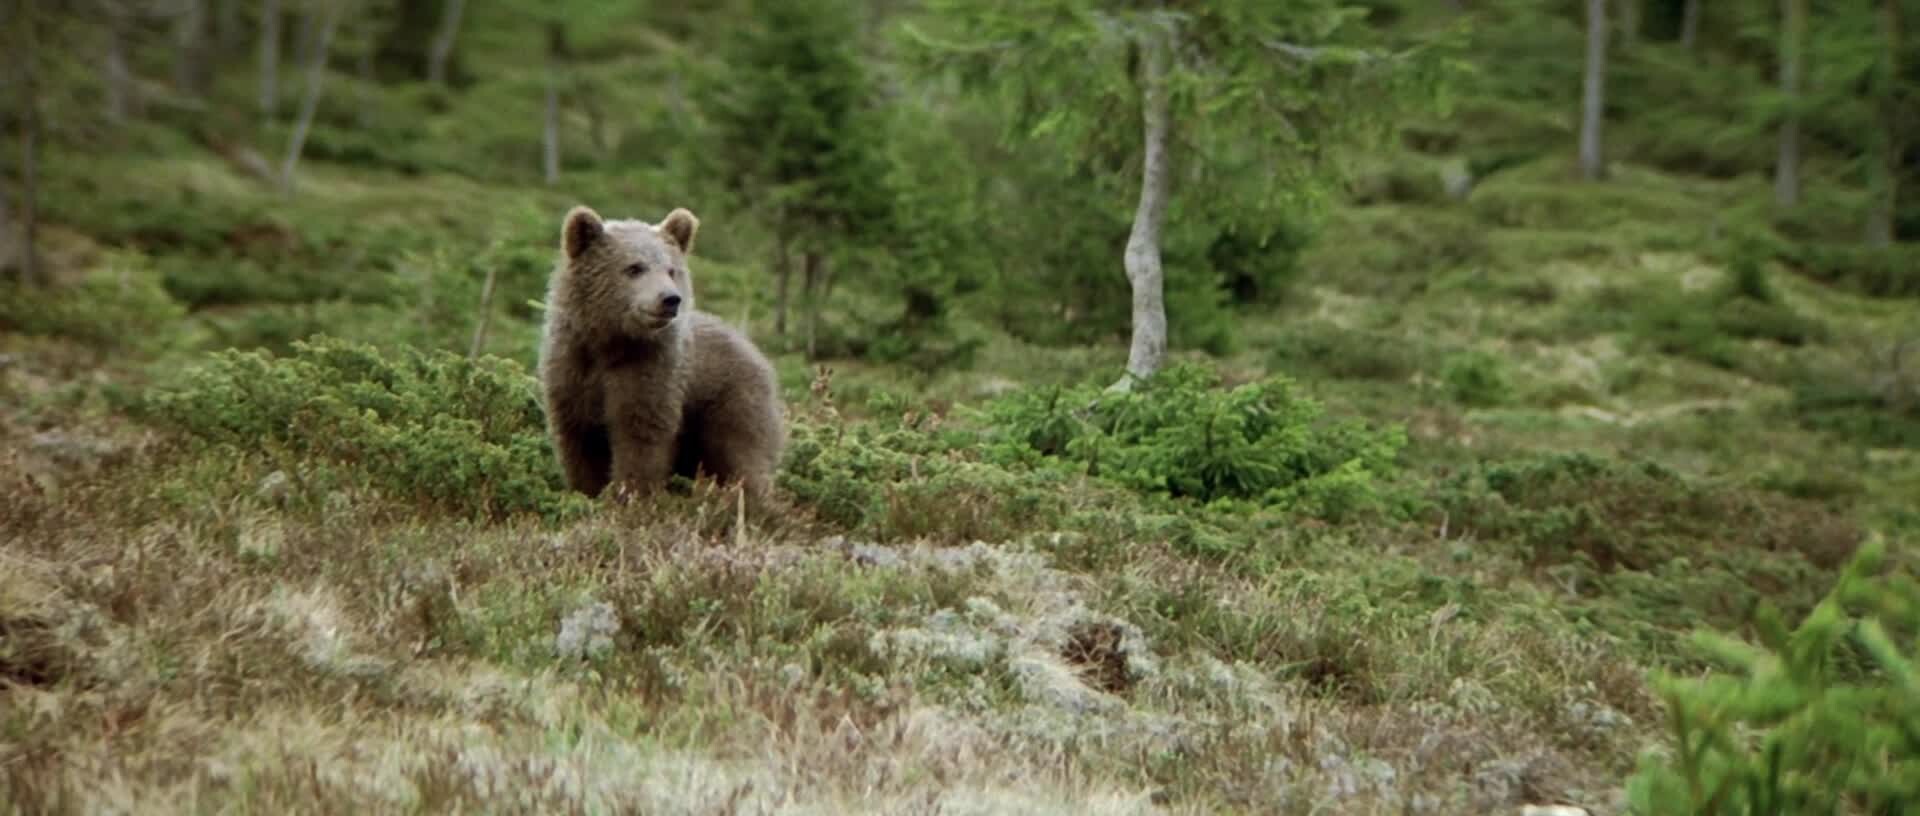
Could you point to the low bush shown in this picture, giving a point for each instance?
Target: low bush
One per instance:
(119, 306)
(1875, 402)
(1617, 515)
(465, 435)
(1477, 378)
(1876, 271)
(1711, 326)
(899, 479)
(1348, 354)
(1184, 436)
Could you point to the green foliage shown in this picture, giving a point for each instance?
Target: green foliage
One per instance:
(1643, 552)
(1347, 354)
(466, 435)
(1713, 326)
(1182, 435)
(1822, 718)
(796, 132)
(1877, 271)
(121, 306)
(1874, 400)
(1611, 514)
(900, 480)
(1477, 378)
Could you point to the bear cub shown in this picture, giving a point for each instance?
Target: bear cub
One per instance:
(638, 384)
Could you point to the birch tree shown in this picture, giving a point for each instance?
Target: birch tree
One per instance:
(269, 68)
(1593, 97)
(329, 12)
(25, 24)
(1891, 120)
(117, 78)
(550, 125)
(443, 39)
(1793, 45)
(192, 69)
(1176, 81)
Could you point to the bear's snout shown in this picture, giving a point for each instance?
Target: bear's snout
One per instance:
(670, 304)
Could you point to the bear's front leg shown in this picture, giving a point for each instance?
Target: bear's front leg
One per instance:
(586, 457)
(643, 446)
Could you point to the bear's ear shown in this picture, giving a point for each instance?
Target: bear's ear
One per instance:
(582, 228)
(679, 227)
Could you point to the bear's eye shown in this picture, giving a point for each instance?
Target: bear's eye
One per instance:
(635, 270)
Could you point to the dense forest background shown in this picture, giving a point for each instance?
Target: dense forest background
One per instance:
(1377, 406)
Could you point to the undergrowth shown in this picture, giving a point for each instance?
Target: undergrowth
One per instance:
(466, 435)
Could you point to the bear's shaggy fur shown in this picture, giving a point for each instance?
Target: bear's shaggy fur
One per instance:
(639, 385)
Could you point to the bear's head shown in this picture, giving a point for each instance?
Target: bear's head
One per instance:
(632, 272)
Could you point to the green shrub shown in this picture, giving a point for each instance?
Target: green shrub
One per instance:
(1392, 249)
(1631, 515)
(1477, 378)
(465, 435)
(1644, 553)
(1348, 354)
(1181, 435)
(119, 306)
(896, 479)
(1708, 326)
(1875, 402)
(1821, 719)
(1876, 271)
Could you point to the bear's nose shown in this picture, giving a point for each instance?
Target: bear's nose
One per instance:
(671, 303)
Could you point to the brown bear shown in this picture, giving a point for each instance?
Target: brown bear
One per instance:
(638, 384)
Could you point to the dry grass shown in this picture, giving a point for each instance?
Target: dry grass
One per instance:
(179, 641)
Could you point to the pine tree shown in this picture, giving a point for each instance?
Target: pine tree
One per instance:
(799, 138)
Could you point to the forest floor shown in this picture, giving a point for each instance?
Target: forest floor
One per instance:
(192, 628)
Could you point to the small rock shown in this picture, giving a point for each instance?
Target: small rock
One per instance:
(274, 487)
(996, 386)
(588, 632)
(1457, 180)
(73, 450)
(870, 555)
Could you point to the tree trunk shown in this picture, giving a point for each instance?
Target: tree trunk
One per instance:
(550, 141)
(190, 59)
(118, 81)
(1629, 21)
(443, 40)
(1594, 94)
(1888, 144)
(363, 86)
(550, 137)
(485, 316)
(782, 276)
(810, 271)
(269, 57)
(30, 270)
(310, 102)
(1690, 24)
(304, 34)
(226, 25)
(1786, 170)
(1144, 273)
